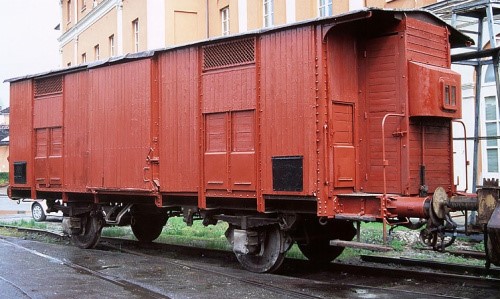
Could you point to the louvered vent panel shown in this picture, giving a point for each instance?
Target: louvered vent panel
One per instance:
(46, 86)
(228, 54)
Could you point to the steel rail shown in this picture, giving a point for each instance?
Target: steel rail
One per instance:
(134, 287)
(434, 265)
(367, 270)
(279, 290)
(283, 291)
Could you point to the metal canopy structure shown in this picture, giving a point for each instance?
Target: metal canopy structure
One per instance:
(478, 13)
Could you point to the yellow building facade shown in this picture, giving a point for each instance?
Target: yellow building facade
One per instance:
(98, 29)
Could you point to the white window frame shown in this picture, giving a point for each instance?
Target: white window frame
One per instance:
(135, 30)
(325, 8)
(68, 10)
(111, 45)
(84, 57)
(268, 12)
(489, 144)
(224, 16)
(97, 53)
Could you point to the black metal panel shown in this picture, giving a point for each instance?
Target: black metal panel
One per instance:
(20, 172)
(287, 173)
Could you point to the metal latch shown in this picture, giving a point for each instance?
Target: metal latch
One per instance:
(399, 133)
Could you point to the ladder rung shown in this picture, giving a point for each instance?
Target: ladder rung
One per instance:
(469, 31)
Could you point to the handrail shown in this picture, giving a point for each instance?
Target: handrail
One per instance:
(465, 148)
(384, 161)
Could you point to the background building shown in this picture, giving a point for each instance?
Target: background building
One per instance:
(488, 151)
(97, 29)
(4, 140)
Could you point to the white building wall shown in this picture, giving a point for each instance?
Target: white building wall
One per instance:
(156, 24)
(290, 11)
(468, 113)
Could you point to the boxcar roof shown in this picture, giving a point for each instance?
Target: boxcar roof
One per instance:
(457, 39)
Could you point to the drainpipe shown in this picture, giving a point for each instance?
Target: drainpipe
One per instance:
(207, 20)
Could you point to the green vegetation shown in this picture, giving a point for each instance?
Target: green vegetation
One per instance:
(4, 178)
(117, 232)
(25, 223)
(478, 246)
(198, 235)
(402, 240)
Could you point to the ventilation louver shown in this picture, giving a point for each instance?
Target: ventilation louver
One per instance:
(47, 86)
(227, 54)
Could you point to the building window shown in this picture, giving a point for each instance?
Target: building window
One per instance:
(96, 52)
(491, 121)
(489, 76)
(84, 4)
(268, 13)
(325, 8)
(135, 30)
(224, 15)
(112, 45)
(84, 57)
(68, 10)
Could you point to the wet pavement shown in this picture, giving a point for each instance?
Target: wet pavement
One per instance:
(39, 270)
(33, 269)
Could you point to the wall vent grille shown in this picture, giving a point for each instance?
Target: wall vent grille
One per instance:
(227, 54)
(47, 86)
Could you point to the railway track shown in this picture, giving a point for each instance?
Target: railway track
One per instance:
(299, 269)
(360, 289)
(242, 278)
(465, 270)
(110, 244)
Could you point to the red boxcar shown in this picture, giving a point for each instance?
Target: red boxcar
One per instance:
(289, 134)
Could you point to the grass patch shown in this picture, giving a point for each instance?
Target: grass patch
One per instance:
(116, 232)
(212, 236)
(4, 178)
(26, 223)
(7, 232)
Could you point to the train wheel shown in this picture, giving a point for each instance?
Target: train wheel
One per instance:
(147, 228)
(271, 254)
(90, 232)
(318, 249)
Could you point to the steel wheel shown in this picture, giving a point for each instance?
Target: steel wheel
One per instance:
(320, 251)
(428, 238)
(147, 228)
(317, 249)
(37, 212)
(90, 233)
(271, 254)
